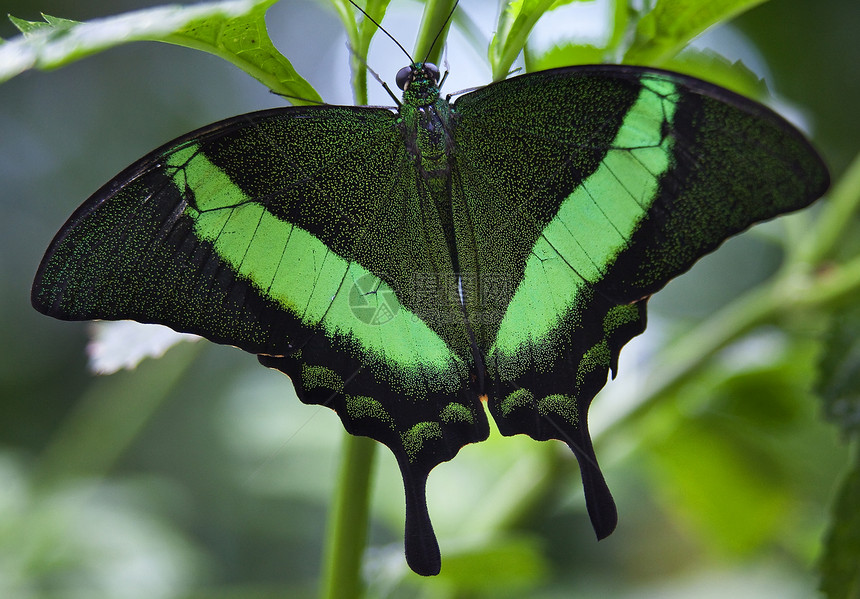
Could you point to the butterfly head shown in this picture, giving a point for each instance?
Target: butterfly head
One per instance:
(420, 79)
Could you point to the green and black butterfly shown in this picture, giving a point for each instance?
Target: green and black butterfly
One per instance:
(401, 266)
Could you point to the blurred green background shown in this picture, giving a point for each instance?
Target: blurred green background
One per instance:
(201, 475)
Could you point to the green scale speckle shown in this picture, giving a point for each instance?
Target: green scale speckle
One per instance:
(415, 438)
(359, 407)
(321, 377)
(560, 405)
(520, 398)
(456, 412)
(596, 358)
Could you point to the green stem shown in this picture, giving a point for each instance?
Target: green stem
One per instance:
(793, 290)
(843, 203)
(101, 428)
(834, 288)
(686, 356)
(508, 44)
(350, 510)
(436, 13)
(788, 292)
(348, 520)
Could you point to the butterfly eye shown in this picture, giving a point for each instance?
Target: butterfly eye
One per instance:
(404, 76)
(432, 70)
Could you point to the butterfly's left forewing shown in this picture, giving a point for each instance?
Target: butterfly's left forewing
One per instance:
(295, 234)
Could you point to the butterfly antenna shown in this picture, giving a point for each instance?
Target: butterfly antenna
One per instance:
(439, 33)
(382, 29)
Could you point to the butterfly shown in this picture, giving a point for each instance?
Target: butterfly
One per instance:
(406, 266)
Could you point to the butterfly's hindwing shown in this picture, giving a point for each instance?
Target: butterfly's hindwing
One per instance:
(544, 389)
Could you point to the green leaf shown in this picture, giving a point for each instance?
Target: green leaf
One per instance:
(233, 30)
(725, 477)
(27, 28)
(708, 65)
(704, 64)
(498, 564)
(723, 484)
(434, 23)
(368, 29)
(672, 24)
(559, 3)
(244, 41)
(516, 20)
(59, 23)
(839, 380)
(840, 562)
(359, 32)
(562, 56)
(471, 31)
(621, 13)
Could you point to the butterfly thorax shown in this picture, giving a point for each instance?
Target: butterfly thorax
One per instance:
(426, 121)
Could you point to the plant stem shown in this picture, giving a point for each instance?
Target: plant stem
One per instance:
(685, 357)
(100, 429)
(794, 289)
(837, 216)
(348, 520)
(436, 13)
(511, 38)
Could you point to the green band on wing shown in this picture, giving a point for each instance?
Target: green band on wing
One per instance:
(295, 269)
(592, 226)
